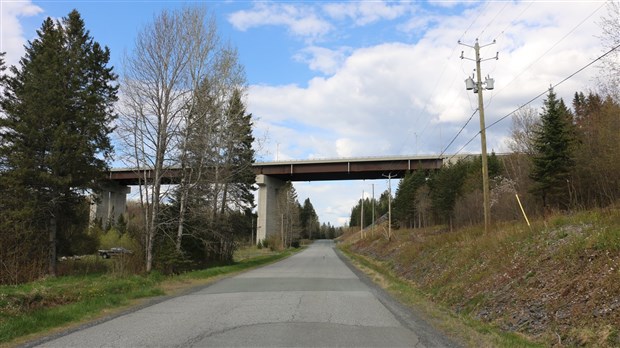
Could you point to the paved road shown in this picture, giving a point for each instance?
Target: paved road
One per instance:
(310, 299)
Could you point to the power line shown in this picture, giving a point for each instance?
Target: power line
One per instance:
(529, 66)
(538, 96)
(557, 84)
(544, 54)
(474, 21)
(516, 18)
(480, 13)
(494, 18)
(459, 132)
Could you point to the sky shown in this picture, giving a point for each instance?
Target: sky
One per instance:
(365, 78)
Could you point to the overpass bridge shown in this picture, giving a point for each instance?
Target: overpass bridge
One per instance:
(270, 177)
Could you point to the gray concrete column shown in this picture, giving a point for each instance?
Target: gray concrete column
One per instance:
(268, 222)
(110, 203)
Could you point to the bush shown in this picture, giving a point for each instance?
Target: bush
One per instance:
(170, 261)
(273, 242)
(295, 244)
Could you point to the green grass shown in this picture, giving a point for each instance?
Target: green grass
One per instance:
(239, 266)
(55, 302)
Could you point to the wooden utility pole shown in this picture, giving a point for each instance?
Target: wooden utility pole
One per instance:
(373, 210)
(362, 217)
(390, 176)
(486, 195)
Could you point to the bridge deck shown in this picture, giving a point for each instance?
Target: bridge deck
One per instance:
(310, 170)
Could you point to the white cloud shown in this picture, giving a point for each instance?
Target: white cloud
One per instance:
(379, 99)
(300, 20)
(450, 3)
(12, 38)
(367, 12)
(322, 59)
(312, 21)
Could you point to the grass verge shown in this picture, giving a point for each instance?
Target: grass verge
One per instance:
(32, 310)
(464, 329)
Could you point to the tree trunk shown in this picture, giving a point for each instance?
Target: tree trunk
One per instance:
(52, 245)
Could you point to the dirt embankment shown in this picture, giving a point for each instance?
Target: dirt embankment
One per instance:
(558, 282)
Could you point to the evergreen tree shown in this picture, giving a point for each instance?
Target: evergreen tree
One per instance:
(553, 158)
(2, 68)
(58, 106)
(596, 175)
(404, 207)
(445, 186)
(381, 207)
(239, 152)
(309, 220)
(288, 211)
(2, 86)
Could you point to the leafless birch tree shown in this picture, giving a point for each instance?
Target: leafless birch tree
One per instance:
(172, 56)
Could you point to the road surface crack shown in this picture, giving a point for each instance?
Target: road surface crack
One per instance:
(297, 309)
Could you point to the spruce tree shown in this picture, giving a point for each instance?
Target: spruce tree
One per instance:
(239, 151)
(553, 159)
(309, 220)
(403, 206)
(58, 106)
(2, 68)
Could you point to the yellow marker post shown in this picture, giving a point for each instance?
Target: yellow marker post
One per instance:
(523, 211)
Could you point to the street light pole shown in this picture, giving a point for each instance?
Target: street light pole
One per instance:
(486, 195)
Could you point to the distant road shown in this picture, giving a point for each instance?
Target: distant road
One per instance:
(311, 299)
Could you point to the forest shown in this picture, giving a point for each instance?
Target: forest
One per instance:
(183, 106)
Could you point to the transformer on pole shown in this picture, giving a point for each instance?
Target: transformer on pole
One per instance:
(477, 88)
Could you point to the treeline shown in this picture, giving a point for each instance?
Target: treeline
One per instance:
(297, 221)
(563, 159)
(366, 206)
(182, 106)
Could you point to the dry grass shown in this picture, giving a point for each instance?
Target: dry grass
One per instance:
(558, 282)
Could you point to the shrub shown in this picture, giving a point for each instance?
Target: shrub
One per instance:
(274, 243)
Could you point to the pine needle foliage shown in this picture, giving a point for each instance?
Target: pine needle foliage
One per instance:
(58, 109)
(553, 153)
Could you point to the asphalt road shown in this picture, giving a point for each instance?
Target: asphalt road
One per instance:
(312, 299)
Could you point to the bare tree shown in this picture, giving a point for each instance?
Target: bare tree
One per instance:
(524, 123)
(171, 57)
(609, 77)
(289, 212)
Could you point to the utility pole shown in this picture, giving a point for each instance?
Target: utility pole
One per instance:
(362, 217)
(389, 176)
(469, 85)
(373, 210)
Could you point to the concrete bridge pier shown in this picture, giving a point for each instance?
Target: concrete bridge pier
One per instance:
(268, 221)
(109, 204)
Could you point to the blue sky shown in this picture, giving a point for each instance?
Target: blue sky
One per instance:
(364, 78)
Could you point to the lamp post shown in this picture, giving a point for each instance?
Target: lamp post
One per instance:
(477, 88)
